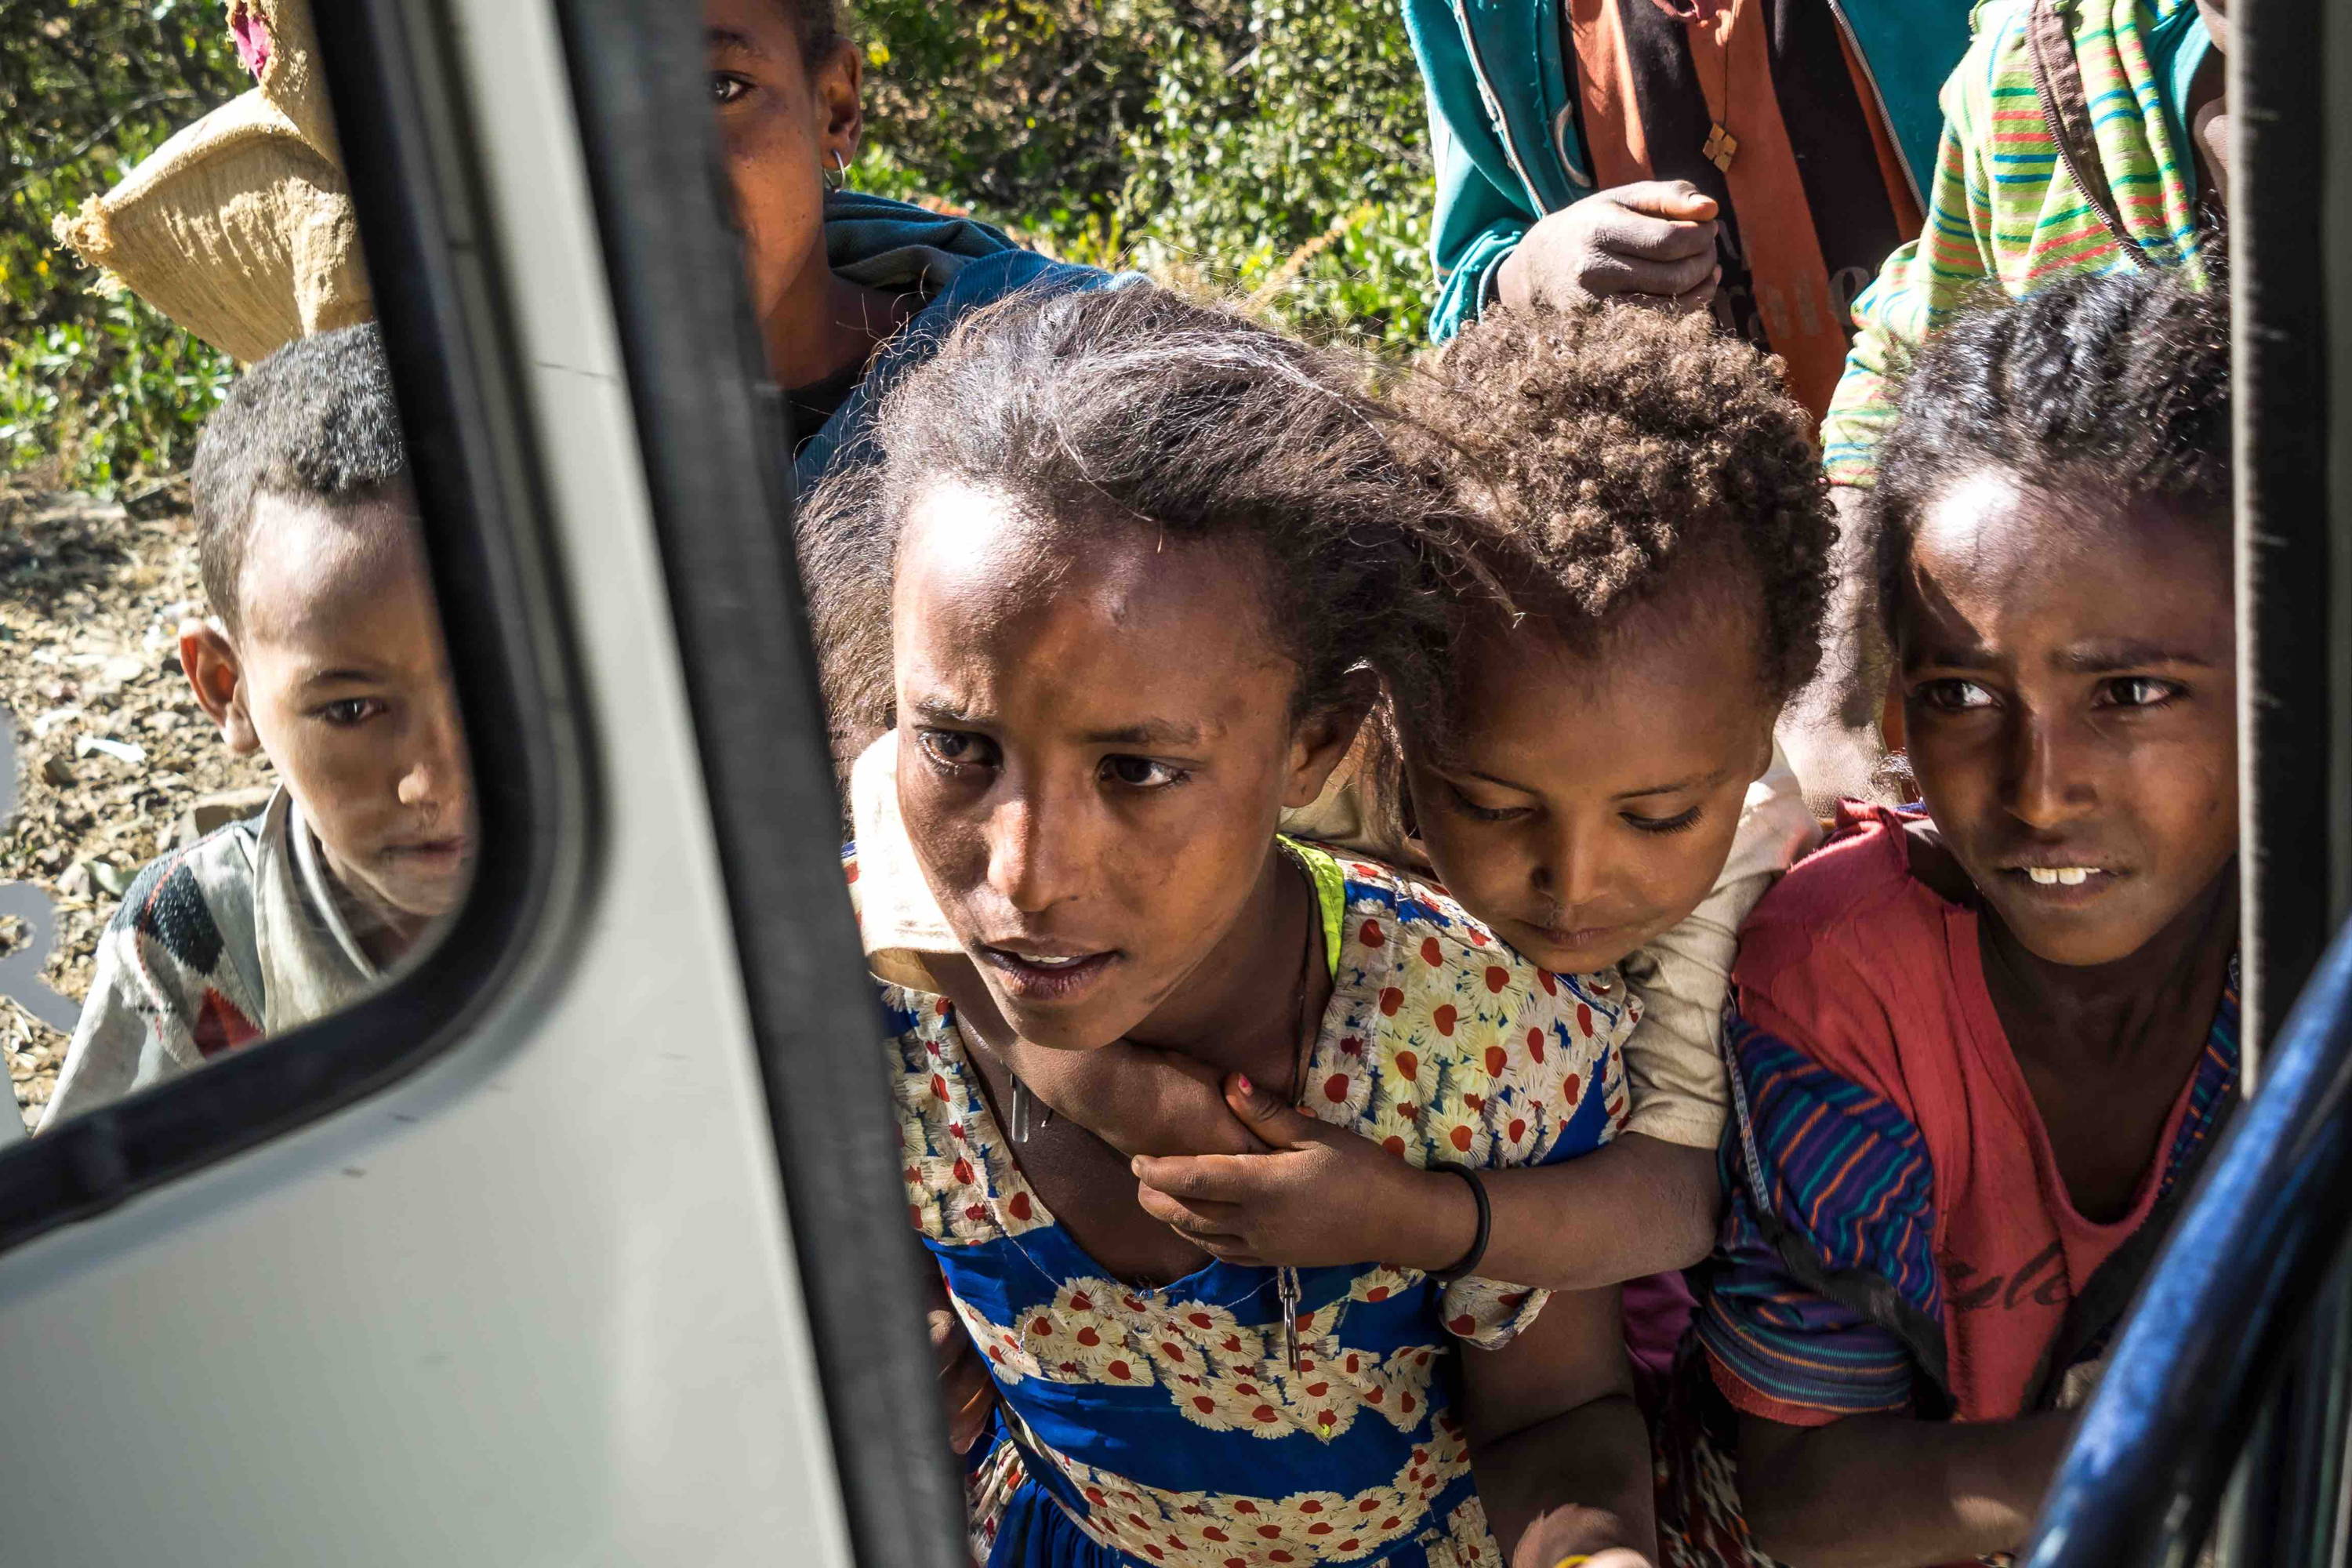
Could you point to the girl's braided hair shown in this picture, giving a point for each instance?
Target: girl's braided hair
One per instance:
(1134, 407)
(2116, 387)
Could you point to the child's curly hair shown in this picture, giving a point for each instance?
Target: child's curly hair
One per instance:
(818, 24)
(1595, 454)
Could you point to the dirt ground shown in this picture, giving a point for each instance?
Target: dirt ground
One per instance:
(111, 750)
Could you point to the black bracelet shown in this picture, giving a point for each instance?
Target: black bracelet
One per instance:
(1469, 1261)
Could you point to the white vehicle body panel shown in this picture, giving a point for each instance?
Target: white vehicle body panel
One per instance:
(534, 1305)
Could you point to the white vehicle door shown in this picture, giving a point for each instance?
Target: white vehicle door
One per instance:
(579, 1241)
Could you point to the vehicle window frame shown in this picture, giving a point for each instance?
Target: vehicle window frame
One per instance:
(2222, 1370)
(454, 377)
(716, 439)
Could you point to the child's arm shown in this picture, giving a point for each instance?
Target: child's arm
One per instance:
(1632, 1208)
(1674, 1059)
(967, 1392)
(1137, 1100)
(1646, 1203)
(137, 1026)
(1322, 1195)
(1870, 1491)
(1558, 1447)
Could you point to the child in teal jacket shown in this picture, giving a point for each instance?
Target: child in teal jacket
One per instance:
(850, 290)
(1632, 146)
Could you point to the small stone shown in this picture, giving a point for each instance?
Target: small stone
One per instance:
(76, 882)
(112, 880)
(214, 811)
(57, 771)
(120, 751)
(122, 666)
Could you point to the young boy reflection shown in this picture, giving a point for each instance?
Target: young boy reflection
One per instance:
(325, 655)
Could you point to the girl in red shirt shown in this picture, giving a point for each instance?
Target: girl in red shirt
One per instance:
(1979, 1048)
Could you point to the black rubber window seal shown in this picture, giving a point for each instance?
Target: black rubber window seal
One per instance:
(716, 442)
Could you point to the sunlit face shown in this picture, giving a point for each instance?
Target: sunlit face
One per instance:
(1587, 802)
(783, 127)
(340, 677)
(2071, 700)
(1095, 744)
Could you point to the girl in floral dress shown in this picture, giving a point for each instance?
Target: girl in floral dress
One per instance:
(1138, 551)
(1586, 782)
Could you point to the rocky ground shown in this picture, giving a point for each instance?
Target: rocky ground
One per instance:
(113, 755)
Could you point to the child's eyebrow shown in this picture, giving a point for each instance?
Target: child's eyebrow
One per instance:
(1150, 733)
(941, 711)
(340, 673)
(1695, 781)
(2107, 657)
(1144, 732)
(1975, 656)
(732, 38)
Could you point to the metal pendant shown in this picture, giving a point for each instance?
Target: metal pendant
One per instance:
(1721, 147)
(1287, 1286)
(1027, 1115)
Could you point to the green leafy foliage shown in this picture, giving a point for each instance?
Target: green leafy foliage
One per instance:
(98, 389)
(1275, 148)
(1269, 148)
(107, 400)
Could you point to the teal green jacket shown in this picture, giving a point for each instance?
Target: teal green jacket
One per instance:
(956, 265)
(1502, 119)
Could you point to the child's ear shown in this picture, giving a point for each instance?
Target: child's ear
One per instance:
(1769, 742)
(211, 663)
(1322, 738)
(840, 92)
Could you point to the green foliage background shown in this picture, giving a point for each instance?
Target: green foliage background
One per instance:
(1277, 147)
(1274, 148)
(98, 391)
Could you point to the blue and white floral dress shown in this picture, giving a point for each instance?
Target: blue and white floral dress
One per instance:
(1167, 1425)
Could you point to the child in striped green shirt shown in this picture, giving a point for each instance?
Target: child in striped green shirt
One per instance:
(2018, 202)
(2080, 136)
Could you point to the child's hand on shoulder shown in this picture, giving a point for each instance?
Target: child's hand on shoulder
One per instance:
(1138, 1099)
(1318, 1195)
